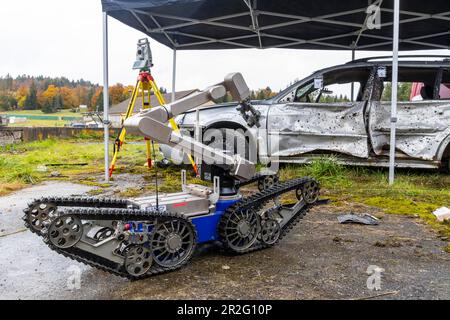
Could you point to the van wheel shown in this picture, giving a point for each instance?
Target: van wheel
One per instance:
(445, 167)
(445, 164)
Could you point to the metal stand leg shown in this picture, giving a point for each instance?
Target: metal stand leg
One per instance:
(394, 92)
(105, 94)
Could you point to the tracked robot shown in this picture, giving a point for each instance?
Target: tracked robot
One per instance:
(141, 237)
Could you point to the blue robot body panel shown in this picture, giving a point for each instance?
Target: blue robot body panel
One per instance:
(206, 226)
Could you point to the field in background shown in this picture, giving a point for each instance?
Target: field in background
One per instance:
(416, 193)
(41, 122)
(62, 113)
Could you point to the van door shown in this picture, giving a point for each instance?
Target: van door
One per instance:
(422, 124)
(305, 127)
(321, 119)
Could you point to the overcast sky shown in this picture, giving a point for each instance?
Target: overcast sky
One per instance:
(64, 38)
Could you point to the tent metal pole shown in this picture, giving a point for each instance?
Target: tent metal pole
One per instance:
(353, 84)
(394, 91)
(105, 94)
(174, 73)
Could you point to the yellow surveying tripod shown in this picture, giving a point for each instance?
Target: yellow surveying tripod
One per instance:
(144, 87)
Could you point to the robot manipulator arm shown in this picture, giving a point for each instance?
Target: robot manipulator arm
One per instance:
(152, 124)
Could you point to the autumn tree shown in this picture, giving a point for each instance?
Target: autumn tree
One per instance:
(6, 84)
(97, 99)
(89, 96)
(80, 96)
(21, 96)
(117, 94)
(48, 99)
(48, 107)
(128, 90)
(31, 101)
(69, 97)
(99, 105)
(53, 105)
(7, 101)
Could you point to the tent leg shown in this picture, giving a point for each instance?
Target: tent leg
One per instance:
(105, 94)
(394, 91)
(353, 84)
(174, 73)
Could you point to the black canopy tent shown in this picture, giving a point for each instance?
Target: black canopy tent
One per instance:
(296, 24)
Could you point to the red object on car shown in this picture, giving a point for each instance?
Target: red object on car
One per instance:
(416, 88)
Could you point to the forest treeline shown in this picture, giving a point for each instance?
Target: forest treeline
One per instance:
(52, 94)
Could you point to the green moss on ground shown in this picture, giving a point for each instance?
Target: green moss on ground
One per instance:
(415, 193)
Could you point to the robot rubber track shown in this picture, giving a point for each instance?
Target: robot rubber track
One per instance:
(121, 212)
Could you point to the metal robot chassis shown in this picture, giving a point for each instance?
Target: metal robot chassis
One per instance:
(135, 239)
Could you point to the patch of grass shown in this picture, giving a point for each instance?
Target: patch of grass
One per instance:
(12, 172)
(325, 169)
(95, 192)
(89, 135)
(410, 207)
(131, 192)
(29, 163)
(90, 183)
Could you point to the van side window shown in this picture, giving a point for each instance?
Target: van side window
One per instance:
(444, 90)
(419, 85)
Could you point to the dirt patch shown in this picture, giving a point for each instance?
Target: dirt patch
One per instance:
(320, 259)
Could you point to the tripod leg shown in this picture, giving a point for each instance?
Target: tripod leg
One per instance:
(146, 105)
(121, 137)
(149, 152)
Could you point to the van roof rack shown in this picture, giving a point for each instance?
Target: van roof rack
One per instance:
(445, 58)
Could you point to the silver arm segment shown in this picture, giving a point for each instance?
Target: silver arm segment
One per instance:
(152, 124)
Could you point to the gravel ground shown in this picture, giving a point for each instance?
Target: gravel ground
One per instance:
(319, 259)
